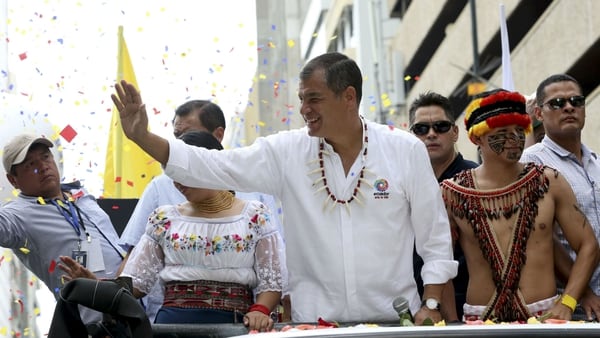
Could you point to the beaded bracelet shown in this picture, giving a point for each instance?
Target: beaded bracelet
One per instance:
(569, 302)
(259, 308)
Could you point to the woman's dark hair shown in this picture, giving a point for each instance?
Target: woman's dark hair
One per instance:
(202, 139)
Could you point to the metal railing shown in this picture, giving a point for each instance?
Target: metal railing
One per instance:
(388, 331)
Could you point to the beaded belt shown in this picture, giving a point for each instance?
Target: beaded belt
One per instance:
(204, 294)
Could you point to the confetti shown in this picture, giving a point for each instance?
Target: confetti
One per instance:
(61, 62)
(52, 266)
(68, 133)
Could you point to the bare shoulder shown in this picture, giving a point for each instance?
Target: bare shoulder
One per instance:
(558, 184)
(553, 175)
(550, 172)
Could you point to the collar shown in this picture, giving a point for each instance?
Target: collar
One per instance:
(586, 153)
(365, 137)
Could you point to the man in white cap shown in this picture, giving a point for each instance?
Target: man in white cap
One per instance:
(48, 223)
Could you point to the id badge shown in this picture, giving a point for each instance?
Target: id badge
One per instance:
(80, 257)
(95, 260)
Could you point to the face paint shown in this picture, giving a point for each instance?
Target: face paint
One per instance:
(498, 141)
(514, 155)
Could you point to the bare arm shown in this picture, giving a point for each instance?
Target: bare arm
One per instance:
(256, 320)
(581, 238)
(448, 306)
(134, 121)
(590, 302)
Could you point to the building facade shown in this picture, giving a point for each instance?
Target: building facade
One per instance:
(452, 47)
(449, 45)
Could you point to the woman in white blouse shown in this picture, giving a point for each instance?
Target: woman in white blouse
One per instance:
(220, 259)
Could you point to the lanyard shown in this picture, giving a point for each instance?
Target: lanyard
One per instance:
(72, 216)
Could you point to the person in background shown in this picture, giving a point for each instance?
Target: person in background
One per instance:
(193, 115)
(431, 119)
(48, 220)
(354, 192)
(223, 248)
(503, 212)
(201, 115)
(538, 127)
(561, 108)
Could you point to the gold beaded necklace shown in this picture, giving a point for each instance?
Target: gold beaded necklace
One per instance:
(223, 200)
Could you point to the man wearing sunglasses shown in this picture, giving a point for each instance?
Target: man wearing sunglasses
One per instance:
(561, 108)
(433, 122)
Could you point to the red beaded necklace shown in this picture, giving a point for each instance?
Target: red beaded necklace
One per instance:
(361, 174)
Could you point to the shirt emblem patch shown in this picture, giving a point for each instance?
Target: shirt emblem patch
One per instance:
(381, 186)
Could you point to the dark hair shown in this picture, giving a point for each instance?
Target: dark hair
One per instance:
(202, 139)
(341, 72)
(430, 99)
(540, 94)
(210, 115)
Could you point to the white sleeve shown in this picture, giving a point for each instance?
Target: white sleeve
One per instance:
(139, 218)
(144, 264)
(255, 168)
(269, 255)
(270, 264)
(433, 240)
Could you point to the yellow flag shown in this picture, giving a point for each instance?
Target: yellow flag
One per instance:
(128, 168)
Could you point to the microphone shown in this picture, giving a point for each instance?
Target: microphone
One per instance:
(400, 305)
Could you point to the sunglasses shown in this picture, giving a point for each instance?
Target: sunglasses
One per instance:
(560, 102)
(439, 127)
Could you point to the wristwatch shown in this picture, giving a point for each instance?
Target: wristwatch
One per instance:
(431, 304)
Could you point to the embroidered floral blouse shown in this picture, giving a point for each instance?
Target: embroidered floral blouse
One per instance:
(245, 249)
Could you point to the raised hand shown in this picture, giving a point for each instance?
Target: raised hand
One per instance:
(132, 111)
(73, 269)
(134, 121)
